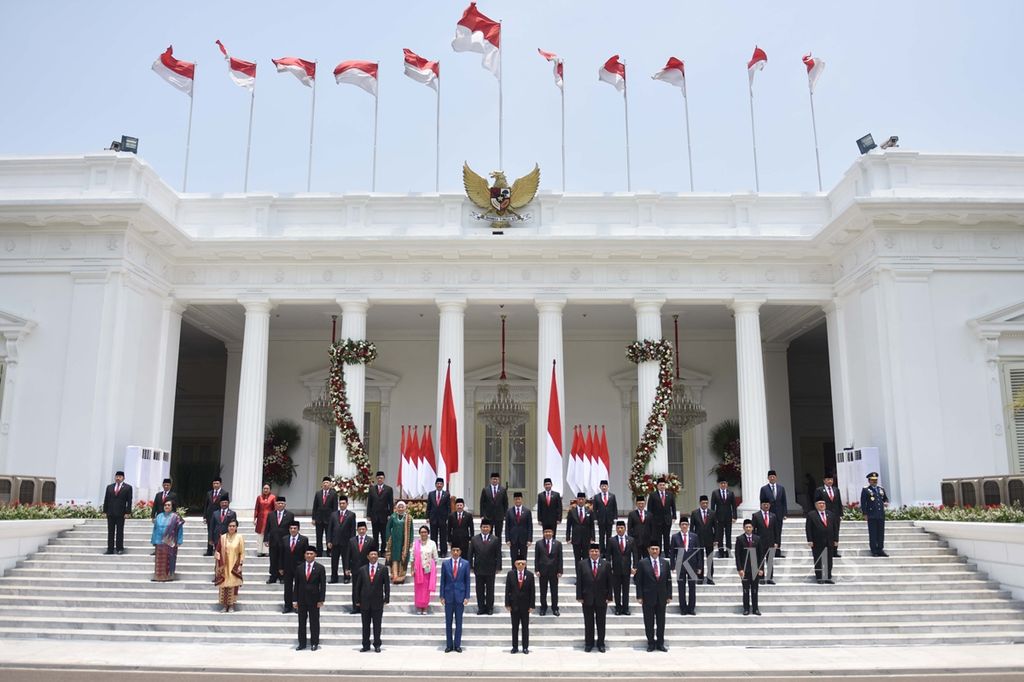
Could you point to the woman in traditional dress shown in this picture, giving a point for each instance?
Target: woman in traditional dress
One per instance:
(264, 503)
(424, 570)
(168, 534)
(228, 572)
(398, 535)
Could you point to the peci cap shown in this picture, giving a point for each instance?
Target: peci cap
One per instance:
(167, 480)
(226, 497)
(620, 522)
(516, 494)
(325, 478)
(379, 473)
(342, 498)
(119, 473)
(603, 482)
(281, 498)
(547, 480)
(771, 472)
(485, 522)
(494, 474)
(581, 496)
(218, 480)
(295, 522)
(594, 545)
(703, 498)
(438, 480)
(459, 500)
(361, 524)
(641, 498)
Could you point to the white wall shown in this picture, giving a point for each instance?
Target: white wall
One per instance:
(997, 549)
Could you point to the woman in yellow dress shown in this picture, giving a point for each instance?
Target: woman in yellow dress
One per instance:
(229, 555)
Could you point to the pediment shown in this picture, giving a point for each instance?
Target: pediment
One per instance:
(517, 374)
(1008, 319)
(11, 323)
(375, 378)
(690, 377)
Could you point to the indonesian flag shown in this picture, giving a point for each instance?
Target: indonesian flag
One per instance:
(476, 33)
(358, 73)
(176, 72)
(756, 63)
(428, 463)
(557, 61)
(448, 442)
(674, 74)
(401, 460)
(614, 73)
(412, 476)
(815, 65)
(593, 465)
(605, 457)
(241, 71)
(553, 457)
(572, 471)
(421, 70)
(300, 68)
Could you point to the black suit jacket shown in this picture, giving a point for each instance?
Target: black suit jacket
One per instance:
(579, 532)
(664, 513)
(822, 535)
(692, 555)
(517, 598)
(357, 559)
(549, 515)
(485, 557)
(724, 510)
(641, 532)
(835, 505)
(371, 596)
(740, 552)
(120, 503)
(519, 531)
(654, 591)
(622, 562)
(220, 526)
(605, 515)
(312, 591)
(158, 502)
(778, 502)
(338, 531)
(546, 565)
(493, 508)
(212, 503)
(380, 505)
(438, 513)
(705, 532)
(277, 531)
(594, 590)
(460, 532)
(322, 512)
(289, 559)
(769, 536)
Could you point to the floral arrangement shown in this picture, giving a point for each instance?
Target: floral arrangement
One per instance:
(278, 466)
(994, 513)
(416, 508)
(350, 352)
(724, 441)
(641, 482)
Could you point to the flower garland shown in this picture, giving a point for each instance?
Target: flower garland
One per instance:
(641, 482)
(350, 352)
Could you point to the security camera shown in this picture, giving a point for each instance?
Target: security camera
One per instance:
(891, 142)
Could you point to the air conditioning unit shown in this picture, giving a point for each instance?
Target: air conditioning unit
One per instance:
(993, 490)
(142, 467)
(950, 492)
(970, 492)
(47, 490)
(1014, 490)
(26, 488)
(6, 489)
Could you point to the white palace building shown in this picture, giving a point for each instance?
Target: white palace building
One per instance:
(887, 312)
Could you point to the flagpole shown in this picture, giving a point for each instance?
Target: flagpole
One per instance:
(312, 119)
(248, 142)
(689, 149)
(753, 137)
(188, 133)
(562, 89)
(437, 137)
(625, 102)
(376, 106)
(501, 71)
(814, 127)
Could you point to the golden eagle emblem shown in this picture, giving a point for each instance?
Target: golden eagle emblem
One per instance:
(499, 201)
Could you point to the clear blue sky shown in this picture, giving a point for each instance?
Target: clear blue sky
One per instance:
(943, 75)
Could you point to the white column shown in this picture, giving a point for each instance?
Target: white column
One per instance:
(353, 326)
(549, 348)
(167, 374)
(450, 347)
(9, 355)
(232, 379)
(648, 326)
(842, 421)
(252, 405)
(752, 404)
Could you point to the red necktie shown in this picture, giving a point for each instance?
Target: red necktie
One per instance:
(622, 544)
(455, 568)
(520, 581)
(641, 516)
(686, 542)
(164, 498)
(460, 518)
(117, 489)
(222, 512)
(748, 541)
(595, 569)
(549, 499)
(380, 490)
(439, 497)
(830, 494)
(293, 545)
(663, 499)
(824, 521)
(606, 499)
(581, 513)
(703, 516)
(765, 519)
(361, 543)
(373, 571)
(657, 573)
(519, 513)
(309, 570)
(325, 497)
(549, 547)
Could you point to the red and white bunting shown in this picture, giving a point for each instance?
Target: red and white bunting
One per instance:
(401, 460)
(593, 464)
(674, 73)
(176, 72)
(572, 469)
(553, 444)
(421, 70)
(475, 32)
(428, 463)
(300, 68)
(558, 62)
(243, 73)
(614, 73)
(815, 65)
(604, 456)
(448, 442)
(412, 477)
(756, 63)
(359, 73)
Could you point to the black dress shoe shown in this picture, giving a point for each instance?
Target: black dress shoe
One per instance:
(555, 611)
(365, 648)
(315, 647)
(625, 612)
(207, 553)
(448, 649)
(515, 650)
(377, 649)
(271, 581)
(600, 648)
(300, 647)
(588, 649)
(650, 648)
(287, 611)
(780, 555)
(662, 647)
(837, 555)
(543, 610)
(109, 551)
(830, 582)
(348, 579)
(757, 612)
(709, 581)
(458, 649)
(334, 581)
(746, 612)
(770, 582)
(525, 650)
(882, 554)
(120, 551)
(820, 581)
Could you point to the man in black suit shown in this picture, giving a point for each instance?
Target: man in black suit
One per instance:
(622, 556)
(310, 590)
(748, 565)
(380, 502)
(687, 559)
(340, 529)
(518, 528)
(165, 495)
(460, 527)
(372, 590)
(291, 553)
(606, 511)
(547, 564)
(520, 600)
(654, 592)
(439, 506)
(773, 493)
(833, 503)
(662, 505)
(768, 528)
(485, 560)
(325, 503)
(594, 592)
(222, 517)
(278, 522)
(822, 537)
(117, 506)
(549, 507)
(494, 502)
(723, 506)
(579, 528)
(359, 548)
(703, 525)
(640, 526)
(212, 504)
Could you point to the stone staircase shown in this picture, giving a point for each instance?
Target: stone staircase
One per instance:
(923, 594)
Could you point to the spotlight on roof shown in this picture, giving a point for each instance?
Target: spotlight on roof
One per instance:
(866, 144)
(893, 141)
(127, 144)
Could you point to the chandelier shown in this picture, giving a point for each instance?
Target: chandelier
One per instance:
(503, 413)
(320, 411)
(684, 412)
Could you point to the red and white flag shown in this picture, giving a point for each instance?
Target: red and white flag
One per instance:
(557, 61)
(241, 71)
(553, 454)
(428, 463)
(359, 73)
(401, 460)
(674, 73)
(176, 72)
(572, 470)
(421, 70)
(614, 73)
(755, 64)
(300, 68)
(448, 442)
(477, 33)
(412, 477)
(604, 456)
(815, 65)
(593, 464)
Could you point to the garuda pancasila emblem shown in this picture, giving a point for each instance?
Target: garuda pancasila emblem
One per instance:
(499, 201)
